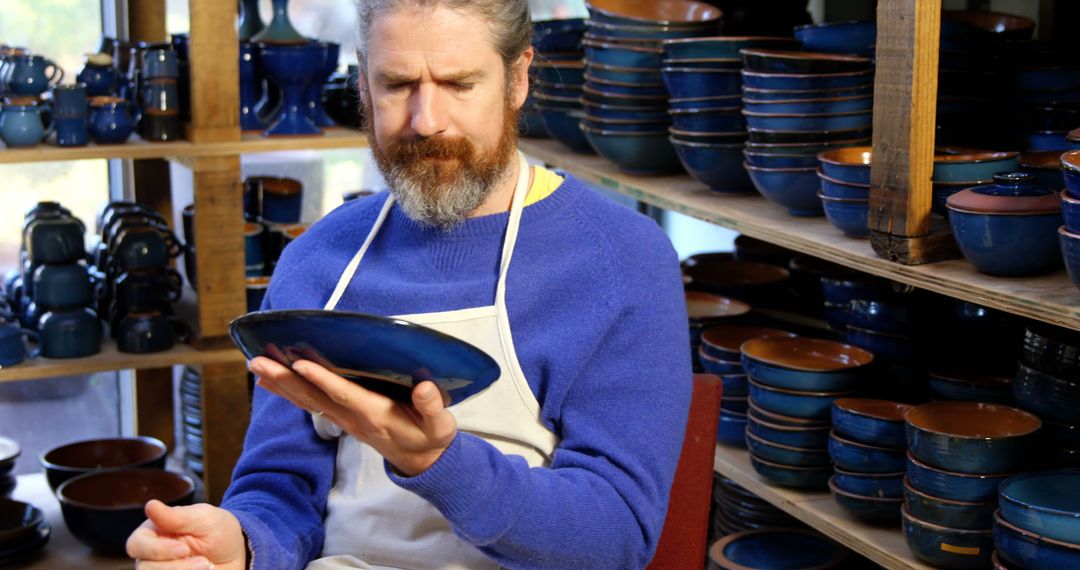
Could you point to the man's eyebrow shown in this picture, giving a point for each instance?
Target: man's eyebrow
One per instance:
(391, 76)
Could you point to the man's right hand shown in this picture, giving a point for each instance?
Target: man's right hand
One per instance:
(190, 538)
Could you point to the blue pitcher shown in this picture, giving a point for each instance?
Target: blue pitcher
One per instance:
(21, 123)
(33, 74)
(112, 120)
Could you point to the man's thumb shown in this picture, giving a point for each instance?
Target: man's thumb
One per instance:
(171, 520)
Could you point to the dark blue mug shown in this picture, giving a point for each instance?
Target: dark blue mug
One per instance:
(13, 347)
(142, 333)
(254, 244)
(281, 199)
(142, 247)
(256, 291)
(72, 131)
(55, 240)
(70, 333)
(112, 119)
(71, 100)
(63, 286)
(160, 63)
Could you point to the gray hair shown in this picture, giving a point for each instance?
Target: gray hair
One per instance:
(510, 22)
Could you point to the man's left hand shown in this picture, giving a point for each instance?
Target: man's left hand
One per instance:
(410, 437)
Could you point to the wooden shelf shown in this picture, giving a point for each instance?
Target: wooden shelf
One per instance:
(137, 148)
(885, 546)
(1052, 298)
(112, 359)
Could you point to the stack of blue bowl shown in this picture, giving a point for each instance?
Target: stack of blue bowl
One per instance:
(845, 188)
(793, 383)
(1038, 524)
(803, 103)
(852, 37)
(703, 78)
(957, 169)
(1069, 234)
(557, 90)
(868, 447)
(839, 291)
(959, 452)
(1047, 384)
(720, 354)
(1046, 166)
(886, 327)
(624, 90)
(556, 42)
(735, 509)
(706, 310)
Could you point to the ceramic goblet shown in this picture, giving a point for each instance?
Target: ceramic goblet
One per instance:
(292, 67)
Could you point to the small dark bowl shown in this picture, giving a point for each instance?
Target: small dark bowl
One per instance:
(811, 106)
(973, 165)
(703, 63)
(881, 485)
(102, 509)
(544, 89)
(882, 316)
(773, 160)
(952, 486)
(952, 514)
(849, 165)
(1048, 396)
(869, 421)
(876, 510)
(1008, 245)
(751, 94)
(1027, 549)
(759, 139)
(622, 55)
(708, 120)
(619, 30)
(809, 478)
(690, 83)
(805, 82)
(806, 405)
(972, 388)
(72, 459)
(805, 437)
(23, 532)
(847, 215)
(850, 37)
(793, 188)
(970, 437)
(624, 125)
(946, 547)
(782, 61)
(727, 138)
(639, 154)
(594, 93)
(1070, 212)
(785, 454)
(854, 456)
(832, 188)
(731, 429)
(809, 123)
(718, 166)
(560, 72)
(562, 35)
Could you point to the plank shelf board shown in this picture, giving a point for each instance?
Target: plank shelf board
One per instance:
(1051, 298)
(883, 545)
(112, 359)
(136, 148)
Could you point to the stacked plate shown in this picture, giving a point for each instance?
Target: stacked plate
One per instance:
(736, 509)
(23, 532)
(1047, 384)
(720, 354)
(627, 101)
(793, 383)
(191, 413)
(703, 78)
(9, 452)
(796, 105)
(557, 79)
(868, 447)
(1038, 524)
(792, 549)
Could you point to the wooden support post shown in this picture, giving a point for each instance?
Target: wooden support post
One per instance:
(226, 410)
(215, 69)
(905, 111)
(146, 21)
(154, 405)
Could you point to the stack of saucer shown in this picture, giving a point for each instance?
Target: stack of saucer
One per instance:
(23, 532)
(191, 411)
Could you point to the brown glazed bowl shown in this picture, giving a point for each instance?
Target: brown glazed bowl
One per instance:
(971, 437)
(724, 341)
(102, 509)
(805, 353)
(653, 12)
(72, 459)
(702, 306)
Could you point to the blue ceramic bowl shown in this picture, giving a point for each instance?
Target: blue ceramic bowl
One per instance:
(616, 74)
(545, 89)
(1070, 169)
(565, 127)
(734, 403)
(811, 106)
(798, 138)
(723, 101)
(873, 422)
(760, 95)
(946, 547)
(776, 548)
(1026, 549)
(784, 454)
(805, 437)
(881, 485)
(952, 514)
(1070, 212)
(689, 83)
(622, 55)
(806, 405)
(718, 166)
(1049, 140)
(557, 102)
(841, 291)
(624, 125)
(708, 120)
(790, 61)
(725, 47)
(1050, 397)
(1046, 167)
(973, 165)
(857, 37)
(563, 35)
(806, 82)
(1008, 245)
(624, 29)
(758, 413)
(972, 388)
(770, 160)
(623, 113)
(560, 72)
(725, 341)
(732, 429)
(847, 215)
(804, 364)
(809, 122)
(1047, 504)
(593, 93)
(853, 456)
(729, 138)
(793, 188)
(970, 437)
(712, 63)
(833, 188)
(776, 376)
(810, 478)
(713, 365)
(877, 510)
(846, 165)
(622, 88)
(1070, 253)
(952, 486)
(639, 154)
(882, 316)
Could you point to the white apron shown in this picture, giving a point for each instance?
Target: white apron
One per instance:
(373, 523)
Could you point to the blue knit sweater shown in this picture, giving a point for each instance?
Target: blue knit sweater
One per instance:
(599, 322)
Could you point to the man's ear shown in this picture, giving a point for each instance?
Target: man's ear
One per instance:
(521, 77)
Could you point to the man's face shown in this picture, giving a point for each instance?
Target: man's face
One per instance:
(442, 122)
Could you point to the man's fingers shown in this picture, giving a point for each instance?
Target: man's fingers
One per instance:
(435, 420)
(146, 544)
(173, 520)
(195, 563)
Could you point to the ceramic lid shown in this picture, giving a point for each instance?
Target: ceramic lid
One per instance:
(1011, 193)
(849, 156)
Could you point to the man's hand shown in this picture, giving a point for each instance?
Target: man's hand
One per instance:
(191, 538)
(410, 437)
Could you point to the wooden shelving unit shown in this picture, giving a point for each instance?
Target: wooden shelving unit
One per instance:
(112, 359)
(882, 545)
(138, 149)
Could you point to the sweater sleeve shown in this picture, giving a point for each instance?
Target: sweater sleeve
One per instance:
(602, 501)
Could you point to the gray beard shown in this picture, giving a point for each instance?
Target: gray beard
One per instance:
(444, 208)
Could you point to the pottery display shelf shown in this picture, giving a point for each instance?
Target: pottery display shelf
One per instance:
(883, 545)
(1050, 298)
(110, 359)
(136, 148)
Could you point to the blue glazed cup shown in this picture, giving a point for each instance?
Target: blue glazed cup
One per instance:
(71, 100)
(877, 510)
(853, 456)
(946, 547)
(142, 333)
(1026, 549)
(13, 347)
(22, 124)
(112, 120)
(160, 63)
(62, 286)
(255, 288)
(869, 421)
(70, 333)
(952, 486)
(806, 437)
(952, 514)
(884, 485)
(72, 131)
(253, 243)
(970, 437)
(1070, 212)
(143, 247)
(55, 240)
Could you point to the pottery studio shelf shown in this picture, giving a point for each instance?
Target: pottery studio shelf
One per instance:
(112, 359)
(883, 545)
(1052, 298)
(136, 148)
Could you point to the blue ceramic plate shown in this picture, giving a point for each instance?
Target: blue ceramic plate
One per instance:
(776, 548)
(385, 355)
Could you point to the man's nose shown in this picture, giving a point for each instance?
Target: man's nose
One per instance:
(429, 117)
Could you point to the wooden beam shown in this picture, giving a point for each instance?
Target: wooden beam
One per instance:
(219, 243)
(226, 410)
(154, 405)
(215, 69)
(905, 100)
(146, 21)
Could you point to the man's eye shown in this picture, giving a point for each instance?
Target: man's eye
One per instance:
(396, 86)
(459, 86)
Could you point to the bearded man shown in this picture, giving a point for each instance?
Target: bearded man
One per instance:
(566, 461)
